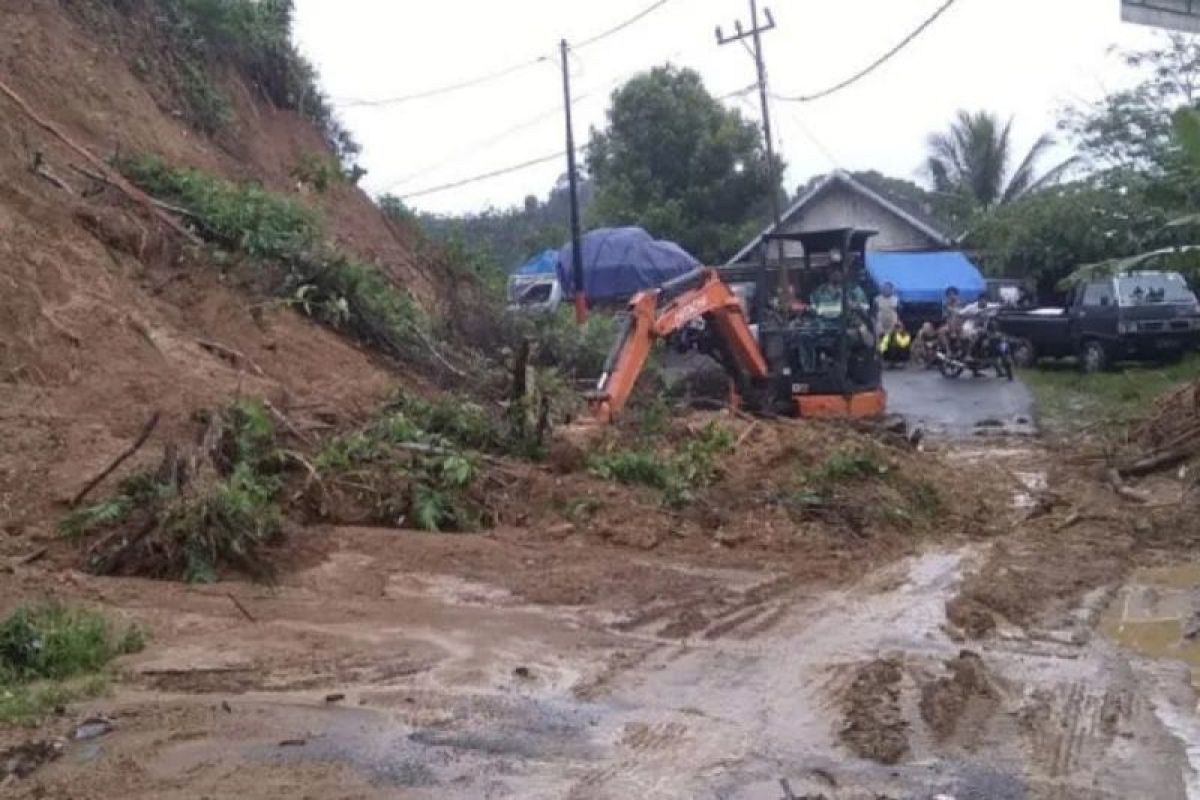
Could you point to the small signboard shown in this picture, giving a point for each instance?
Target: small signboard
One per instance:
(1178, 15)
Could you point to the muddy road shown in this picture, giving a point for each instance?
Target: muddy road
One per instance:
(401, 665)
(362, 679)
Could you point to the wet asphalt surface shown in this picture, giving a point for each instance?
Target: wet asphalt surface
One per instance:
(960, 407)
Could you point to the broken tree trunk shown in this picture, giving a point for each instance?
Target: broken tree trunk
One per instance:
(147, 429)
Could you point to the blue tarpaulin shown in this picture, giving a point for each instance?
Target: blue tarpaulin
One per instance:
(924, 277)
(620, 262)
(544, 263)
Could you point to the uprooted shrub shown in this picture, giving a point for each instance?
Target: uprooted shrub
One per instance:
(212, 506)
(396, 471)
(678, 472)
(859, 485)
(420, 463)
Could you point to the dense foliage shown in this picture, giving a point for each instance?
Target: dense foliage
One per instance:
(1045, 236)
(195, 40)
(1140, 147)
(678, 163)
(510, 236)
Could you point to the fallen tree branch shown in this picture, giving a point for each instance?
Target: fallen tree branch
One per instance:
(147, 429)
(287, 423)
(751, 428)
(39, 168)
(1153, 463)
(117, 180)
(240, 607)
(229, 354)
(165, 206)
(1118, 486)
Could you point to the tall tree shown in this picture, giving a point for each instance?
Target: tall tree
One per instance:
(676, 162)
(974, 160)
(1131, 130)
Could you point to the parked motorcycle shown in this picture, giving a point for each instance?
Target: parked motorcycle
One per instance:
(978, 345)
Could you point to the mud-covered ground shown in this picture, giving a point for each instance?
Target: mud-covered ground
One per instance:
(390, 664)
(1008, 650)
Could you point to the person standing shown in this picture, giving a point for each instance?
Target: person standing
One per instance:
(887, 309)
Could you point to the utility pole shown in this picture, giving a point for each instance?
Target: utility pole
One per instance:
(581, 311)
(755, 34)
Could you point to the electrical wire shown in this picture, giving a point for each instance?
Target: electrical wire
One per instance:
(441, 90)
(879, 62)
(645, 12)
(479, 146)
(487, 175)
(530, 163)
(498, 74)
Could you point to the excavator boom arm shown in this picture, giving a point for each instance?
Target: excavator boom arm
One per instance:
(710, 299)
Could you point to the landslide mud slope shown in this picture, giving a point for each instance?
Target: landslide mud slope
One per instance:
(103, 314)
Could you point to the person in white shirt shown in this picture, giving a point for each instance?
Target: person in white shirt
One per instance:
(887, 309)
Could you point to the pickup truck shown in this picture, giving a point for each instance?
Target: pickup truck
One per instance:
(1134, 315)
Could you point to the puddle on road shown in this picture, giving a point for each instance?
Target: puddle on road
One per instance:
(1153, 613)
(1153, 616)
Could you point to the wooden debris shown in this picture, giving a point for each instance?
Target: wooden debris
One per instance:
(751, 428)
(235, 357)
(147, 429)
(98, 163)
(238, 603)
(1123, 491)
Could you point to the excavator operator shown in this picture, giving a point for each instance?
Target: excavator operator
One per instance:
(827, 298)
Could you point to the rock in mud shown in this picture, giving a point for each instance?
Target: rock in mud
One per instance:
(92, 728)
(944, 701)
(23, 760)
(874, 726)
(971, 617)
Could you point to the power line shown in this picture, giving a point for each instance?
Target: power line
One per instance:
(813, 138)
(879, 62)
(479, 146)
(645, 12)
(487, 175)
(500, 73)
(491, 141)
(453, 87)
(496, 173)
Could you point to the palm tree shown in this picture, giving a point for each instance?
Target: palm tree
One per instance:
(973, 160)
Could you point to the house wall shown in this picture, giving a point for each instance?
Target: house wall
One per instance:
(839, 207)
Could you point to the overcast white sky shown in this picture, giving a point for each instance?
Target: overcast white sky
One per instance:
(1025, 58)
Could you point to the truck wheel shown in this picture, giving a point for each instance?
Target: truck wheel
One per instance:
(1023, 353)
(1093, 357)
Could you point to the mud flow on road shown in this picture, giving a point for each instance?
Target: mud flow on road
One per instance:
(397, 665)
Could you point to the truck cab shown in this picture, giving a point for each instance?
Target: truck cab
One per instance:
(1137, 315)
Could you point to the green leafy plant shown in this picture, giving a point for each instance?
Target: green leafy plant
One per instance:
(188, 529)
(285, 242)
(677, 474)
(52, 654)
(848, 465)
(319, 171)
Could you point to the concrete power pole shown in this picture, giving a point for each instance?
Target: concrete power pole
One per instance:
(755, 35)
(581, 311)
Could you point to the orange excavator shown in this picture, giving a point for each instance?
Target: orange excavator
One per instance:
(815, 359)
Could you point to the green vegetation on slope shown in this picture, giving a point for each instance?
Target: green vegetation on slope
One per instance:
(284, 242)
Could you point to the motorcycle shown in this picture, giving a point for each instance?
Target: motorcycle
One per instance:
(978, 346)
